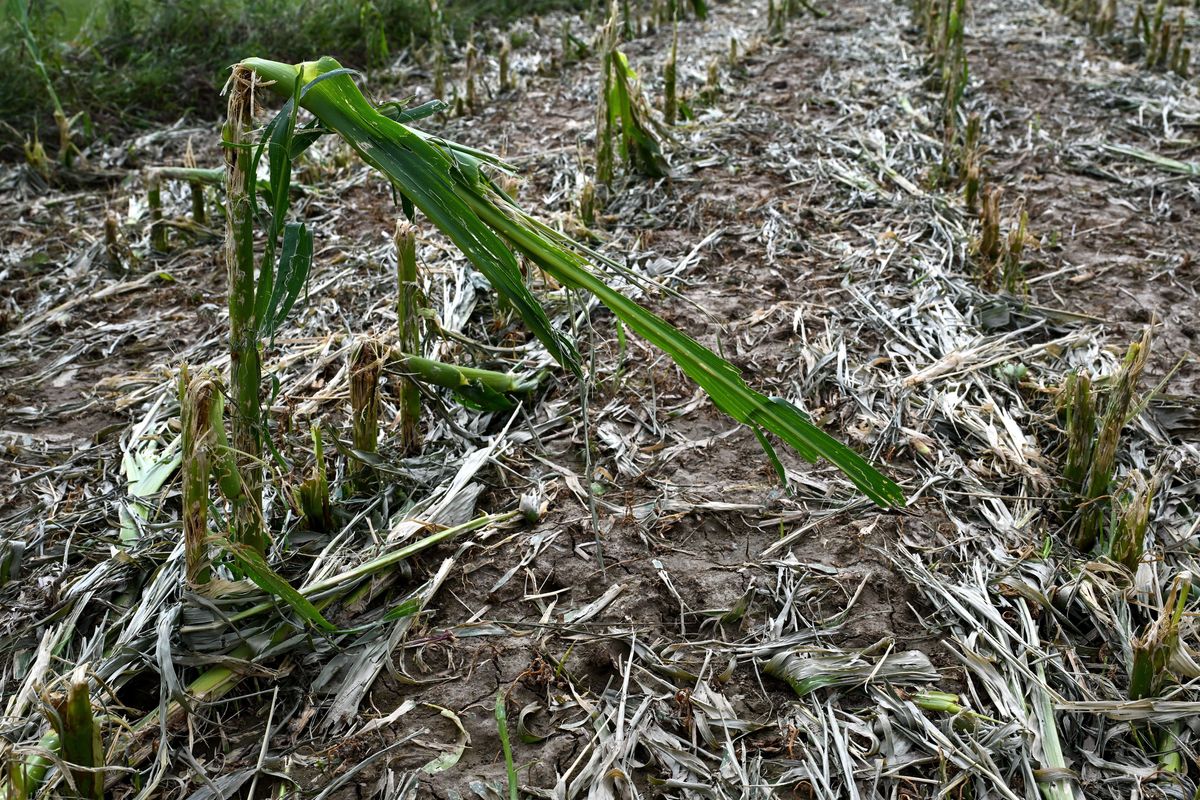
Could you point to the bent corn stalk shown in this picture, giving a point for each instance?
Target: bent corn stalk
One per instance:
(447, 183)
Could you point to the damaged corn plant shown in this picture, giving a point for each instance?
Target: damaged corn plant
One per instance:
(625, 125)
(450, 184)
(502, 544)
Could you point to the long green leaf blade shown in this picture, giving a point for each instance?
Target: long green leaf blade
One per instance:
(295, 261)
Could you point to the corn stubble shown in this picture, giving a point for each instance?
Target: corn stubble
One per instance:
(670, 110)
(366, 367)
(408, 316)
(1158, 42)
(1155, 648)
(200, 406)
(1091, 458)
(942, 23)
(79, 734)
(1000, 258)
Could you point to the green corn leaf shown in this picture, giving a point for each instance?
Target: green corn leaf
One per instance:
(255, 567)
(405, 115)
(639, 146)
(481, 397)
(277, 141)
(295, 261)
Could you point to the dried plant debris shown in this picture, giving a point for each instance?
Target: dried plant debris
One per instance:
(487, 576)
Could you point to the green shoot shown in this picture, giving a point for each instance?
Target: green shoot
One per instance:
(502, 727)
(970, 166)
(79, 733)
(1152, 651)
(1012, 274)
(311, 497)
(1079, 407)
(1131, 521)
(1096, 500)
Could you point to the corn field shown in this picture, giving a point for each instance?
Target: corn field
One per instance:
(631, 399)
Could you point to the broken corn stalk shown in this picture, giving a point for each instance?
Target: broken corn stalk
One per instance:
(447, 182)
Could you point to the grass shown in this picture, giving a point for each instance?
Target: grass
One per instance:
(129, 64)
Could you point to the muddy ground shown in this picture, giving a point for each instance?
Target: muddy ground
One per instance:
(803, 224)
